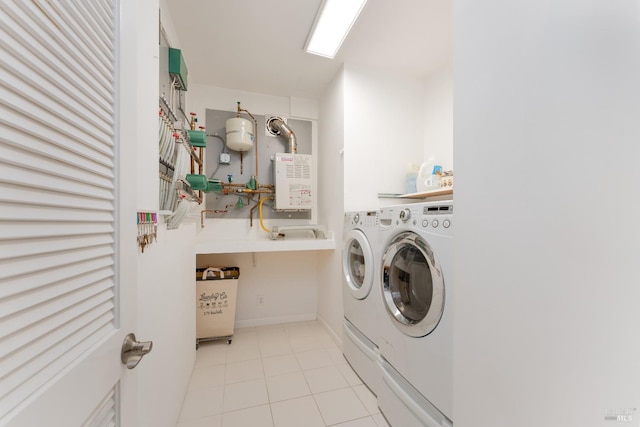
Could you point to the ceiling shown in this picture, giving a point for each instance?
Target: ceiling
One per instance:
(257, 45)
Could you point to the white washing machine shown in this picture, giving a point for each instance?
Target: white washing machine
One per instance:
(360, 297)
(416, 341)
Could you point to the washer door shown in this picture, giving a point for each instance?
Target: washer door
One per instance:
(412, 285)
(357, 263)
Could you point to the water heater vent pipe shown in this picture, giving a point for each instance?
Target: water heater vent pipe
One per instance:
(278, 127)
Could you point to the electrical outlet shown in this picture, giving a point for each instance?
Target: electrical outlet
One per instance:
(260, 300)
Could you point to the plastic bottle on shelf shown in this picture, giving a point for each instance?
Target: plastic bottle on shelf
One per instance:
(412, 176)
(428, 176)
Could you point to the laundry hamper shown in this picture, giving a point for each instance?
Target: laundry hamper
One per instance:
(216, 298)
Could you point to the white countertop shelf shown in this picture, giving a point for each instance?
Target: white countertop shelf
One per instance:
(421, 195)
(263, 245)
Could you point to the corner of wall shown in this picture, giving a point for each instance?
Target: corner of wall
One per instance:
(331, 203)
(438, 116)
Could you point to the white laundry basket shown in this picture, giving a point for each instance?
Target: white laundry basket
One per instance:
(216, 297)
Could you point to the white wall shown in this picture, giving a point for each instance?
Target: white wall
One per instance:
(209, 97)
(438, 118)
(166, 290)
(383, 132)
(166, 315)
(547, 101)
(287, 282)
(147, 101)
(331, 203)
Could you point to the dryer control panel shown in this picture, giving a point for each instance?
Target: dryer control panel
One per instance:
(361, 219)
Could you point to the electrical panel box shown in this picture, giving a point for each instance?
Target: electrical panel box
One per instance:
(293, 181)
(178, 68)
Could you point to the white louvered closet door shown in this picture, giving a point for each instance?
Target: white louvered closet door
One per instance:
(64, 299)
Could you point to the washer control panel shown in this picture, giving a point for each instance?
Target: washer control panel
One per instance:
(434, 216)
(437, 217)
(405, 214)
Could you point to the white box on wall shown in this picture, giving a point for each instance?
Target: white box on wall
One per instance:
(293, 179)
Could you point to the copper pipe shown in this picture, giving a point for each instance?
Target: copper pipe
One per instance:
(204, 212)
(200, 163)
(251, 212)
(255, 135)
(233, 185)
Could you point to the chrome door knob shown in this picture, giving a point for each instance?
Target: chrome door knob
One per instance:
(133, 351)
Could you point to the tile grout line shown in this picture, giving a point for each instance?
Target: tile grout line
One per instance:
(289, 335)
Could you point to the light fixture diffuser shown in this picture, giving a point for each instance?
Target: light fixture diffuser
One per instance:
(333, 22)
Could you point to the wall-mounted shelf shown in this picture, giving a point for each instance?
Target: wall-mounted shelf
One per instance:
(263, 245)
(421, 195)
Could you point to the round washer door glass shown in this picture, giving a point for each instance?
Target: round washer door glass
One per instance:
(357, 263)
(412, 285)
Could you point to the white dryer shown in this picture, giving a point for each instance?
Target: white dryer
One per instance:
(361, 299)
(416, 342)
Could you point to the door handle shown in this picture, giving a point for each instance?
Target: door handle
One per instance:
(133, 351)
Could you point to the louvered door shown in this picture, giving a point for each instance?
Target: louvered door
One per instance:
(64, 309)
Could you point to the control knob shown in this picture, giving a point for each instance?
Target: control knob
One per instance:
(356, 219)
(405, 214)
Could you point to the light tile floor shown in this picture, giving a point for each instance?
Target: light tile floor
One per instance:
(287, 375)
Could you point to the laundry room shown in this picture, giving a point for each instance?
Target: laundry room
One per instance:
(297, 257)
(362, 152)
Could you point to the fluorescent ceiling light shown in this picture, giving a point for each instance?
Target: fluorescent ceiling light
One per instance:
(332, 24)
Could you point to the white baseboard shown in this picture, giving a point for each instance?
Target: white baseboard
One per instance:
(274, 320)
(334, 336)
(249, 323)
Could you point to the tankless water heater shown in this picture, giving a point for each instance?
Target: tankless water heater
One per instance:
(292, 176)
